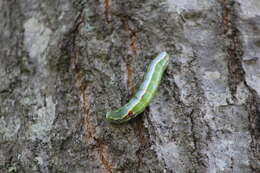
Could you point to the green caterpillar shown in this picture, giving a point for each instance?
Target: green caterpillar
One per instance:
(144, 95)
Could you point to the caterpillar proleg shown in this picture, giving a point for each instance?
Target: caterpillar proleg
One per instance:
(145, 93)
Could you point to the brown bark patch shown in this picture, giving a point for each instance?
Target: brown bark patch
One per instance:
(107, 10)
(70, 48)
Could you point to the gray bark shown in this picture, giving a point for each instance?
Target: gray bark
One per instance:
(65, 63)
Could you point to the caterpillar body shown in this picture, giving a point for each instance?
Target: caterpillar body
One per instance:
(144, 95)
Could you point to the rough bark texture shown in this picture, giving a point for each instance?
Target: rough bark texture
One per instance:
(65, 63)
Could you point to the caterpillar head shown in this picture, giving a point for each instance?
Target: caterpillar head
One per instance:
(119, 116)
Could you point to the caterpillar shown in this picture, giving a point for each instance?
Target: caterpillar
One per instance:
(145, 93)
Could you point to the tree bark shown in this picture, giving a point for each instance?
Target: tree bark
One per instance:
(65, 63)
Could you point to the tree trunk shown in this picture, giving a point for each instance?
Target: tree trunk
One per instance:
(65, 63)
